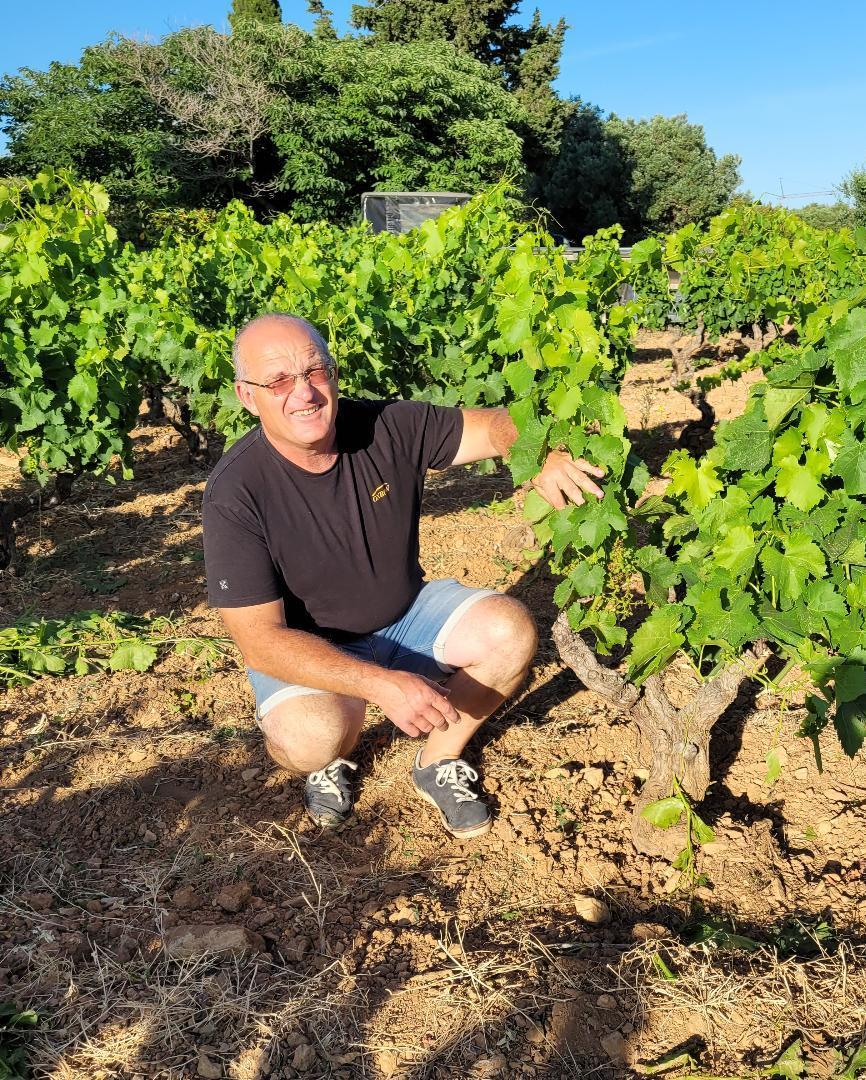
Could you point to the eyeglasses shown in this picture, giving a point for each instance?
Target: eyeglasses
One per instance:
(287, 384)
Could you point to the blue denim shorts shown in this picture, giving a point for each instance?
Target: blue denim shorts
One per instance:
(415, 642)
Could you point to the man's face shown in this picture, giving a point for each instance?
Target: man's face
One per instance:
(303, 420)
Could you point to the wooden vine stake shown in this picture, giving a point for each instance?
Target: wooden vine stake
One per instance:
(677, 739)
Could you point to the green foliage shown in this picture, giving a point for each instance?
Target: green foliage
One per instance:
(286, 120)
(70, 387)
(88, 641)
(14, 1023)
(752, 264)
(257, 10)
(854, 188)
(835, 216)
(762, 537)
(667, 812)
(676, 178)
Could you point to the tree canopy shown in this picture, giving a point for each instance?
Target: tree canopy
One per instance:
(288, 120)
(260, 10)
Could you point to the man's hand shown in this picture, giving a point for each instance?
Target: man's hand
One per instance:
(565, 479)
(415, 704)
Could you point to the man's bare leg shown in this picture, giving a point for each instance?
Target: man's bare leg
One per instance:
(492, 647)
(306, 733)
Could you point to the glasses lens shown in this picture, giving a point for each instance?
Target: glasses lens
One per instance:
(318, 376)
(281, 387)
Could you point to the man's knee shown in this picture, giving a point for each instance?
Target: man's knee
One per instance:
(510, 629)
(306, 733)
(498, 629)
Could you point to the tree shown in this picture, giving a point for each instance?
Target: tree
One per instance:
(527, 58)
(675, 177)
(588, 184)
(284, 119)
(260, 10)
(853, 187)
(837, 215)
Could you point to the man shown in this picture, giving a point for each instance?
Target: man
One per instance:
(311, 547)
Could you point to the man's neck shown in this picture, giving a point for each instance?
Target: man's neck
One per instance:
(313, 460)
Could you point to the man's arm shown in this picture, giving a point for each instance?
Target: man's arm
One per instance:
(415, 705)
(490, 433)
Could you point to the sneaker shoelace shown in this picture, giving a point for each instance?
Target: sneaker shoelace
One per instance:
(326, 779)
(456, 774)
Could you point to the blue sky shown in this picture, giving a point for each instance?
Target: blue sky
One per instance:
(782, 85)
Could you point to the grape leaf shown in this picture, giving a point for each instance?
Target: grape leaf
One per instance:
(134, 655)
(655, 641)
(792, 567)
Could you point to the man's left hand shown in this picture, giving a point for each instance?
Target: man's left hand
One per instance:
(565, 479)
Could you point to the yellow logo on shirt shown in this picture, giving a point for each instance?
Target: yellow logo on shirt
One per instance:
(380, 492)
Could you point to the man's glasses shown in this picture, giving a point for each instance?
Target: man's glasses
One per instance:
(286, 384)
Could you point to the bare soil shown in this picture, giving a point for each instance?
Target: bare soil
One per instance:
(136, 805)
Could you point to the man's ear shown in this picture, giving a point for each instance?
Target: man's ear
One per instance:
(246, 397)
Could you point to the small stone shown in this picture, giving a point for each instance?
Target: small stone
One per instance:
(824, 827)
(490, 1066)
(206, 1067)
(94, 907)
(137, 755)
(185, 941)
(148, 836)
(535, 1035)
(594, 776)
(186, 899)
(835, 796)
(672, 882)
(592, 910)
(616, 1048)
(557, 773)
(606, 1001)
(304, 1057)
(714, 848)
(388, 1062)
(801, 774)
(233, 898)
(519, 806)
(649, 931)
(250, 774)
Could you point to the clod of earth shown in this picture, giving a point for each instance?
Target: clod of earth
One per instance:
(185, 941)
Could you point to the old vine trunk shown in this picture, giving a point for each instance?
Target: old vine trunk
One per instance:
(678, 740)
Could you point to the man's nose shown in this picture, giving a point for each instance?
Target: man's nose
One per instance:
(304, 390)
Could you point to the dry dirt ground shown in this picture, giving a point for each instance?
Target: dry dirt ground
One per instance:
(139, 811)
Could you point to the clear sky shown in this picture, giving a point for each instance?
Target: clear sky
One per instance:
(782, 85)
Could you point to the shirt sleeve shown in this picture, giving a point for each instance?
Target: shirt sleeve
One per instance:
(436, 431)
(238, 565)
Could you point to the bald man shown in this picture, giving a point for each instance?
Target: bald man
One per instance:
(311, 548)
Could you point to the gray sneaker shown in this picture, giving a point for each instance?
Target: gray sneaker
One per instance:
(328, 795)
(446, 784)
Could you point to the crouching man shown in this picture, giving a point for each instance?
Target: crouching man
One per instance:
(311, 548)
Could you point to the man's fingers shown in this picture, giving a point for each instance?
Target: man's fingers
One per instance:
(587, 485)
(585, 466)
(437, 720)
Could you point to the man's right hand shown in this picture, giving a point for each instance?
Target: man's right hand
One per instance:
(415, 704)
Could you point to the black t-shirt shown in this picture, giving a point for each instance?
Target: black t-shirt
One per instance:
(340, 547)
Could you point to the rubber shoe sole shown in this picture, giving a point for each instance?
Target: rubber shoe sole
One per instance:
(329, 821)
(459, 834)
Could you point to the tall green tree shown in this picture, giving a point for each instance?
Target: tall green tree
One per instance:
(259, 10)
(527, 58)
(837, 215)
(675, 177)
(587, 185)
(853, 187)
(283, 119)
